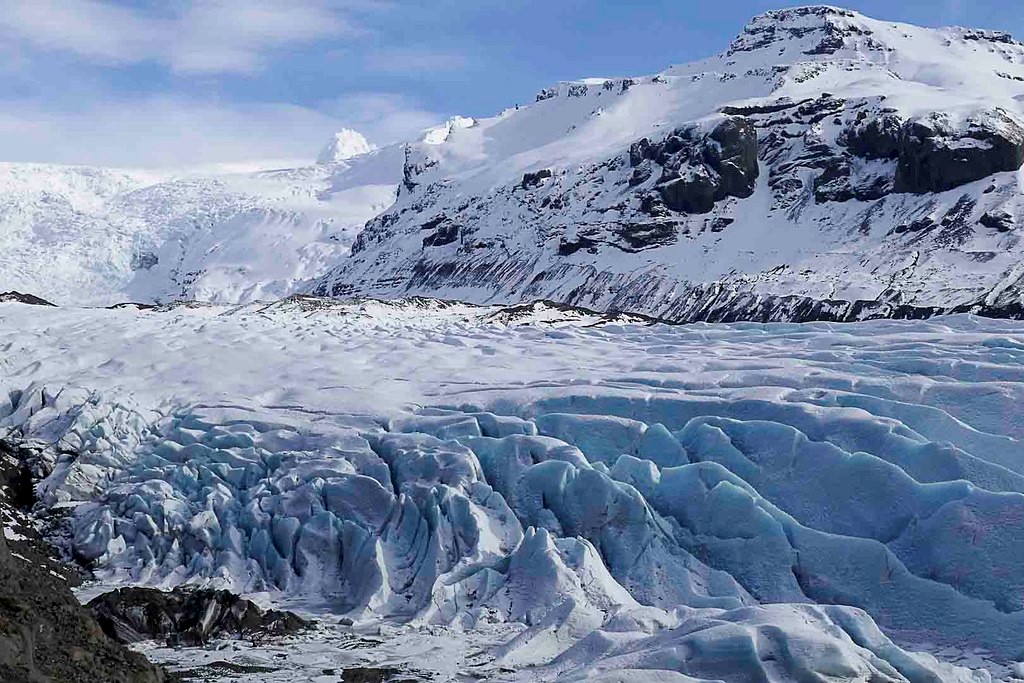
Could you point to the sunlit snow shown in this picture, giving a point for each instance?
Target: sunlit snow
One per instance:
(595, 496)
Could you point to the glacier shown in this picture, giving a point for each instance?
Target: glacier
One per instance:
(436, 395)
(596, 497)
(80, 235)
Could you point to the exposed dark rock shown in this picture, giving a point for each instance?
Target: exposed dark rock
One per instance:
(133, 305)
(702, 170)
(653, 205)
(932, 155)
(697, 192)
(839, 183)
(988, 36)
(640, 236)
(817, 110)
(446, 233)
(735, 156)
(753, 109)
(998, 220)
(535, 178)
(569, 247)
(956, 224)
(875, 137)
(547, 94)
(781, 25)
(919, 225)
(367, 675)
(187, 617)
(46, 635)
(720, 223)
(833, 185)
(831, 42)
(640, 176)
(434, 222)
(639, 151)
(21, 298)
(577, 90)
(934, 158)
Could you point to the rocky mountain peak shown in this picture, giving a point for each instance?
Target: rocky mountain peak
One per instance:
(814, 30)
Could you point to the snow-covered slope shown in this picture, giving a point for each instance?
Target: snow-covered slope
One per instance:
(737, 503)
(345, 144)
(824, 157)
(79, 235)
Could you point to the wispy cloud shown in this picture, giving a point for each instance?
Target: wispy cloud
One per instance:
(382, 117)
(193, 36)
(175, 132)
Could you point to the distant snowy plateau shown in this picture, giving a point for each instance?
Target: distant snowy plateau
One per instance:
(429, 395)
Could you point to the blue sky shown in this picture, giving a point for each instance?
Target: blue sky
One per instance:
(175, 82)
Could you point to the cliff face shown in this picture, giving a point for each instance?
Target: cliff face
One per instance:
(45, 634)
(826, 166)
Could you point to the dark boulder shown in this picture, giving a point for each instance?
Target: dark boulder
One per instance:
(187, 617)
(21, 298)
(875, 137)
(735, 156)
(696, 192)
(998, 220)
(535, 178)
(935, 158)
(700, 170)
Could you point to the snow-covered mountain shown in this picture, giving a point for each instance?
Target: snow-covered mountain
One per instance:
(80, 235)
(827, 165)
(345, 144)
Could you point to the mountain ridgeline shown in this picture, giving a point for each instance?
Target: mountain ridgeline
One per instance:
(827, 166)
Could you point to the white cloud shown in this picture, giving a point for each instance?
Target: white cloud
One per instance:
(382, 117)
(64, 98)
(176, 132)
(193, 36)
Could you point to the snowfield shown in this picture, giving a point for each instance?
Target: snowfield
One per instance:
(92, 236)
(545, 494)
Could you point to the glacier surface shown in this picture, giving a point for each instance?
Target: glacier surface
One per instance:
(577, 496)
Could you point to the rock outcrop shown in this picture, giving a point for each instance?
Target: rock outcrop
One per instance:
(22, 298)
(187, 617)
(47, 636)
(700, 169)
(935, 156)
